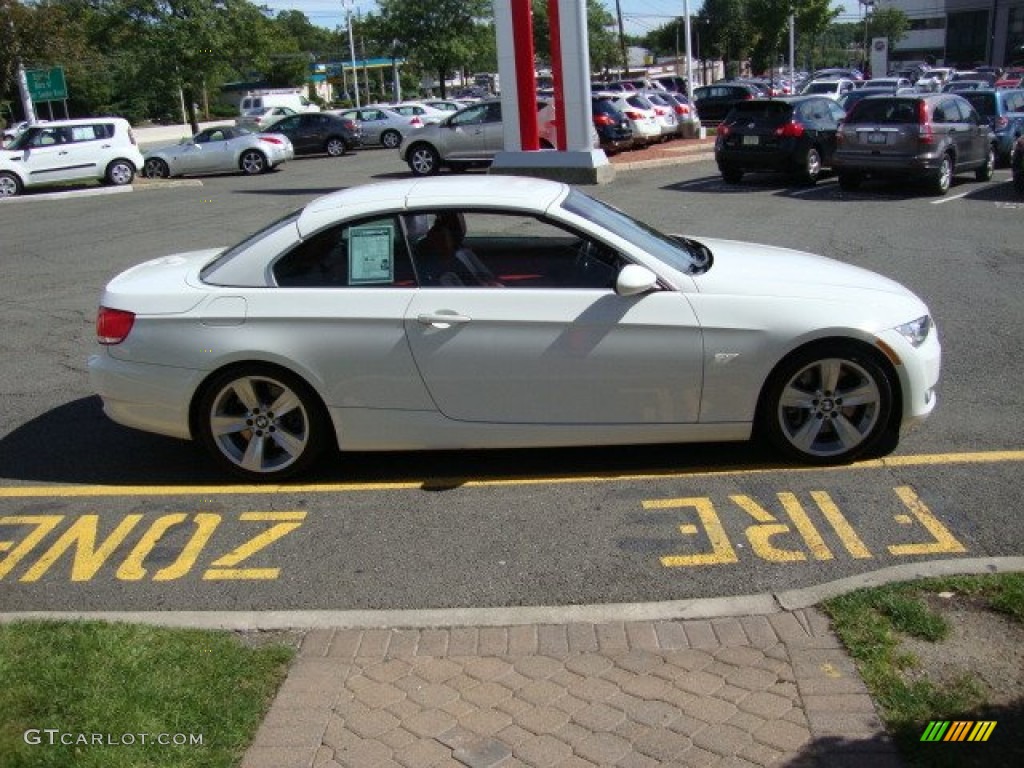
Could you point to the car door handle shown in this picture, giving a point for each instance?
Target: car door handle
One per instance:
(442, 319)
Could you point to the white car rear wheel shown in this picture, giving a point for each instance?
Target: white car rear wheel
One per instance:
(260, 422)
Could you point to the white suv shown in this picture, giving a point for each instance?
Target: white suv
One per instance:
(100, 148)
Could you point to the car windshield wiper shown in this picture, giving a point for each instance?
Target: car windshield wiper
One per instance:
(700, 255)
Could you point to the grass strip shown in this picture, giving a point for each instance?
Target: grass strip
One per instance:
(88, 694)
(870, 623)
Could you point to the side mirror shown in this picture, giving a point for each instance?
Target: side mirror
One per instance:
(634, 280)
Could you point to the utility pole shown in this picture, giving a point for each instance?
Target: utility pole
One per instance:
(622, 40)
(352, 48)
(26, 97)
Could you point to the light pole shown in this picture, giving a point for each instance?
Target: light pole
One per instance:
(347, 4)
(868, 5)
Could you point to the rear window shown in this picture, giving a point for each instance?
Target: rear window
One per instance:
(985, 103)
(762, 108)
(885, 111)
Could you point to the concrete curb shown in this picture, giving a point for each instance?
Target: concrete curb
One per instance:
(706, 608)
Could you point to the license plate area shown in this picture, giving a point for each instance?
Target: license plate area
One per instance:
(877, 138)
(751, 141)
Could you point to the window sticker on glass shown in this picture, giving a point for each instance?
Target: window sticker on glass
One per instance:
(370, 254)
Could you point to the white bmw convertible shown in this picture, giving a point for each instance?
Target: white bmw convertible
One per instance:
(506, 312)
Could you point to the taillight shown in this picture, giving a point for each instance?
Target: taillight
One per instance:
(723, 130)
(1001, 122)
(113, 325)
(748, 96)
(682, 109)
(603, 119)
(633, 115)
(791, 130)
(660, 111)
(925, 133)
(271, 140)
(416, 122)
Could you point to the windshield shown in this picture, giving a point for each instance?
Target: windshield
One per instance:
(684, 255)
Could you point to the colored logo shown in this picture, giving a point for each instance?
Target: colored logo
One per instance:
(958, 730)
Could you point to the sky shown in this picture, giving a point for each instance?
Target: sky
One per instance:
(638, 16)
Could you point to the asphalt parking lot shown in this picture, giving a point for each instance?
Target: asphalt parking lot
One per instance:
(98, 517)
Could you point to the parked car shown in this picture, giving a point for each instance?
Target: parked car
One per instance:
(686, 114)
(791, 134)
(418, 109)
(220, 149)
(382, 125)
(605, 332)
(958, 86)
(101, 148)
(932, 80)
(316, 132)
(847, 100)
(469, 137)
(1017, 165)
(548, 123)
(714, 101)
(13, 131)
(889, 84)
(642, 119)
(613, 129)
(1011, 78)
(664, 111)
(834, 89)
(835, 73)
(262, 117)
(445, 105)
(1003, 108)
(924, 136)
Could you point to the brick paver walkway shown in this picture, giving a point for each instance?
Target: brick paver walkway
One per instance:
(752, 691)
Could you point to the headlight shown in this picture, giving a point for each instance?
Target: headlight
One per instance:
(916, 331)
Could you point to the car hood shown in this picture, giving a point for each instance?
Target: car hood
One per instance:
(747, 269)
(160, 286)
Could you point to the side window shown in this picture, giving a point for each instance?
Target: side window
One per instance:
(362, 254)
(500, 249)
(946, 112)
(472, 116)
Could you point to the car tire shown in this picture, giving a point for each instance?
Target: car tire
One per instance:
(391, 139)
(252, 163)
(810, 170)
(985, 172)
(942, 180)
(828, 403)
(423, 160)
(10, 184)
(236, 422)
(849, 181)
(1018, 182)
(731, 175)
(156, 168)
(119, 173)
(335, 146)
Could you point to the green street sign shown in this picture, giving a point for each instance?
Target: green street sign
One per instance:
(47, 84)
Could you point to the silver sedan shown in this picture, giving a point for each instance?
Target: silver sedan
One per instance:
(382, 125)
(221, 149)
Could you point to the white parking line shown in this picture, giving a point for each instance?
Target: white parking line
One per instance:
(949, 199)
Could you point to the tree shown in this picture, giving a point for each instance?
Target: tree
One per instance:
(890, 23)
(448, 34)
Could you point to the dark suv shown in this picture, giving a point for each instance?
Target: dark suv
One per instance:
(714, 101)
(611, 125)
(795, 135)
(929, 136)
